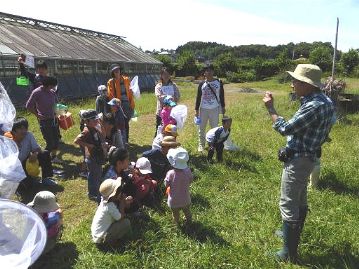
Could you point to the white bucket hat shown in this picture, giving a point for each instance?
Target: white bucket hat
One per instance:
(178, 158)
(44, 202)
(308, 73)
(144, 165)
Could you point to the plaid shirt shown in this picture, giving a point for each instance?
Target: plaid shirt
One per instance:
(310, 126)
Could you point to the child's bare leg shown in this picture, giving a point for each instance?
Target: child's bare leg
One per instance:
(176, 215)
(187, 213)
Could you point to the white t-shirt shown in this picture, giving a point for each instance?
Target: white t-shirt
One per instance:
(106, 214)
(27, 145)
(212, 133)
(208, 99)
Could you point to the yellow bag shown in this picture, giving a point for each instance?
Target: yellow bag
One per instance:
(33, 168)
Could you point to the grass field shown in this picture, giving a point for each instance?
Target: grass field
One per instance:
(235, 204)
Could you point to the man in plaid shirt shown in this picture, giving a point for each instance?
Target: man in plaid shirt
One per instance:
(306, 132)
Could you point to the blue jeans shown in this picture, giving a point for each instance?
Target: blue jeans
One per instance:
(94, 177)
(293, 193)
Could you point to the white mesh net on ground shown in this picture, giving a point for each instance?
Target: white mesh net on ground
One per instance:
(22, 235)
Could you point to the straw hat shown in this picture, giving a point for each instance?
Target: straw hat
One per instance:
(144, 165)
(44, 202)
(109, 188)
(308, 73)
(170, 141)
(178, 158)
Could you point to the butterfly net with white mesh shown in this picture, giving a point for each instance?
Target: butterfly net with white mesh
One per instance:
(22, 235)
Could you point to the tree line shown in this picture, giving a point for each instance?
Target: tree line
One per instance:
(255, 62)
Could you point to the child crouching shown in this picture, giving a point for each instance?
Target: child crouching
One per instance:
(177, 182)
(145, 185)
(216, 138)
(45, 204)
(109, 223)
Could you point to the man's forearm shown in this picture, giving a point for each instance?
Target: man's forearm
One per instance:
(273, 113)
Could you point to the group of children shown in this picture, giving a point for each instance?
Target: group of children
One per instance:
(129, 186)
(126, 187)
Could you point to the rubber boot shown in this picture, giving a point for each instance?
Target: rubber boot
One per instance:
(291, 236)
(302, 216)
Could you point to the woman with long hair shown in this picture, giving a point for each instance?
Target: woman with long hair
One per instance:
(164, 88)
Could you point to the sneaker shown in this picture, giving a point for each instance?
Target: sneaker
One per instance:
(200, 148)
(56, 160)
(49, 182)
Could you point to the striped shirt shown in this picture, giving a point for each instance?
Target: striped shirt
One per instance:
(309, 128)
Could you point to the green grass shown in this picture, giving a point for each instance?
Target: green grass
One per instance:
(235, 204)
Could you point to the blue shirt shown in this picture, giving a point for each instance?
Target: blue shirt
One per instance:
(310, 125)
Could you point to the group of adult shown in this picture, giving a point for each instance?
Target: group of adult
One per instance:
(306, 131)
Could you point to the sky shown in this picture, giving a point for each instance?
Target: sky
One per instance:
(156, 24)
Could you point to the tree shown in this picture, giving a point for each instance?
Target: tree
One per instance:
(321, 56)
(165, 59)
(225, 63)
(187, 64)
(350, 60)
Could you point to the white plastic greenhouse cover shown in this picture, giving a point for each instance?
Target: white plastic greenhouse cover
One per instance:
(22, 235)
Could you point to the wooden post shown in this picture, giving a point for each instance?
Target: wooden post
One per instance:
(335, 49)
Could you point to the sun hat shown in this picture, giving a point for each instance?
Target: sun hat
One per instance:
(168, 101)
(114, 102)
(144, 165)
(171, 129)
(44, 202)
(89, 114)
(308, 73)
(178, 158)
(170, 141)
(109, 187)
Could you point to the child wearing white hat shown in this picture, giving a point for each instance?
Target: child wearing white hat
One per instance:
(145, 184)
(109, 223)
(45, 204)
(102, 100)
(177, 182)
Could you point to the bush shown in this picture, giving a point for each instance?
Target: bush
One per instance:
(321, 56)
(349, 61)
(284, 78)
(241, 76)
(233, 77)
(224, 63)
(186, 64)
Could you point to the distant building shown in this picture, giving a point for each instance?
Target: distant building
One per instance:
(79, 58)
